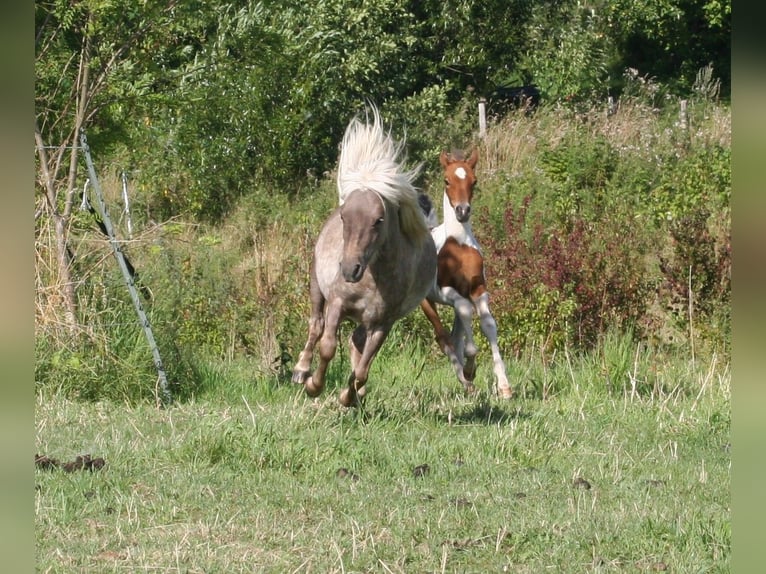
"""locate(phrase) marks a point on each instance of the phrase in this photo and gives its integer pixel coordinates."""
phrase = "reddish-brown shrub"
(564, 285)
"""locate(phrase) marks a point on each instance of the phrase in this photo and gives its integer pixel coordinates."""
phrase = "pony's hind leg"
(489, 328)
(302, 368)
(364, 346)
(356, 342)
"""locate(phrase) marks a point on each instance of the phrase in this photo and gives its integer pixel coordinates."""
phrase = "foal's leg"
(302, 368)
(368, 348)
(462, 333)
(444, 339)
(463, 336)
(489, 328)
(327, 347)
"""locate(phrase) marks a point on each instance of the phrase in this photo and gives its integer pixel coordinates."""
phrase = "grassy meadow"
(608, 474)
(607, 238)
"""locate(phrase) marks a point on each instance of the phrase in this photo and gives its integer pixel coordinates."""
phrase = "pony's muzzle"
(463, 212)
(353, 272)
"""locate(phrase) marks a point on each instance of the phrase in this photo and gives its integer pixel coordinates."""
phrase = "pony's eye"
(379, 222)
(446, 182)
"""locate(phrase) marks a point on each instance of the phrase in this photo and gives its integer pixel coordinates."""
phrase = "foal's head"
(364, 232)
(459, 179)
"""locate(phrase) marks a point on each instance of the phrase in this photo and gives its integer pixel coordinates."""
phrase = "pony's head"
(365, 230)
(459, 181)
(370, 159)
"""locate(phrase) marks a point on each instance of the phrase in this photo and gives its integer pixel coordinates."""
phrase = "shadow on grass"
(484, 412)
(479, 413)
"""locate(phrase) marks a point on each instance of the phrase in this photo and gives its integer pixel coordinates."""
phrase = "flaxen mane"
(369, 159)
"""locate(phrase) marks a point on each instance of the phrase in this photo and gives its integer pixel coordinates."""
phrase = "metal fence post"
(164, 396)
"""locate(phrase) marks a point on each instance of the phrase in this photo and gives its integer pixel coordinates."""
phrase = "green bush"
(699, 180)
(567, 52)
(591, 224)
(580, 169)
(607, 224)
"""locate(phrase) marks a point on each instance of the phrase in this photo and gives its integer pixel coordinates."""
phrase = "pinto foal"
(460, 280)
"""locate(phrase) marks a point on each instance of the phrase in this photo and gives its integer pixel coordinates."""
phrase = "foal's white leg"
(462, 331)
(489, 328)
(444, 339)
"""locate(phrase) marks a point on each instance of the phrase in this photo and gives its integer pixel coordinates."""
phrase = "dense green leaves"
(208, 101)
(670, 39)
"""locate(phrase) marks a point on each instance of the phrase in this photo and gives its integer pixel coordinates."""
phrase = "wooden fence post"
(482, 117)
(683, 116)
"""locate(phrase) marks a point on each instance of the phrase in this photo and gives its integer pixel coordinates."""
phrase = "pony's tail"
(427, 207)
(412, 219)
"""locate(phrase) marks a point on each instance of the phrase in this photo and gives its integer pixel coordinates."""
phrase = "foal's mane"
(456, 155)
(369, 159)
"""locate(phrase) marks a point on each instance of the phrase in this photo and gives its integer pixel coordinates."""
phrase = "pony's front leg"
(364, 346)
(327, 347)
(489, 328)
(302, 368)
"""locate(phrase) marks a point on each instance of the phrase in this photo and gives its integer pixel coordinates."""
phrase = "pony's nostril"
(353, 274)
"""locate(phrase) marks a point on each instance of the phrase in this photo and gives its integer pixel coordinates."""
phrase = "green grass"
(244, 478)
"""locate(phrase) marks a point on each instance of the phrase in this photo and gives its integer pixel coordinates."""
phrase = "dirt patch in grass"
(81, 462)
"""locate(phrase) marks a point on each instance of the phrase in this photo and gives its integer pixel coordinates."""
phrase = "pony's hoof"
(469, 371)
(470, 389)
(312, 389)
(505, 392)
(299, 377)
(350, 398)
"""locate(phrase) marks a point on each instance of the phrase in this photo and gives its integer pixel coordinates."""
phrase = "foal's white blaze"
(460, 172)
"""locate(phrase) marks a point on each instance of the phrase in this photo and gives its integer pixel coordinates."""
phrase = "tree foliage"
(209, 101)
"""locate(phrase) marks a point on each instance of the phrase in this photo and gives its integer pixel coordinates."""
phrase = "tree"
(669, 40)
(91, 56)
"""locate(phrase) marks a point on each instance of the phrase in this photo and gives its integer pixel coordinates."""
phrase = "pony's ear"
(473, 159)
(444, 158)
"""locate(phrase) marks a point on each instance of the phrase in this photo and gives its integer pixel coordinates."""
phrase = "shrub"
(696, 276)
(563, 284)
(580, 168)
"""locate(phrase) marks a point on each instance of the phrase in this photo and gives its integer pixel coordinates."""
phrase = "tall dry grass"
(634, 126)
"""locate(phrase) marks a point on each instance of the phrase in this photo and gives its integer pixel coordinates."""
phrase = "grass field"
(615, 461)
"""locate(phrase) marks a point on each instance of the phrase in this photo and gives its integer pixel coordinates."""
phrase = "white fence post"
(126, 203)
(482, 117)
